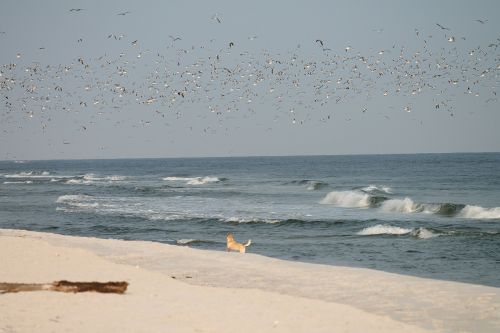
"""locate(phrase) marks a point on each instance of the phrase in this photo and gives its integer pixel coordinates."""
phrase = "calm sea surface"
(435, 215)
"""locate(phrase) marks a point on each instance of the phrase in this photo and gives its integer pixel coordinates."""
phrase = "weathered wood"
(116, 287)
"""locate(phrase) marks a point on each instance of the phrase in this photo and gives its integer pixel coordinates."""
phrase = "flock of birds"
(222, 79)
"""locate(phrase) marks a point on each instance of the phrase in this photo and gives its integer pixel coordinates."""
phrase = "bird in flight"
(124, 13)
(75, 9)
(217, 18)
(319, 41)
(444, 28)
(174, 38)
(482, 21)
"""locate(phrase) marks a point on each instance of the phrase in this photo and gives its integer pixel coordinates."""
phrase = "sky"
(133, 79)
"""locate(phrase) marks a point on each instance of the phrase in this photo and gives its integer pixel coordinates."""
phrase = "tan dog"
(234, 245)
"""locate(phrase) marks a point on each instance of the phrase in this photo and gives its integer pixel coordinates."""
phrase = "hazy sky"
(255, 80)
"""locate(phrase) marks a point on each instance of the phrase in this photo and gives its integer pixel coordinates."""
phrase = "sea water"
(429, 215)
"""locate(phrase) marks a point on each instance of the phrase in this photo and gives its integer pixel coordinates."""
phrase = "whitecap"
(174, 179)
(194, 180)
(423, 233)
(383, 229)
(93, 177)
(405, 205)
(204, 180)
(349, 199)
(79, 182)
(19, 182)
(376, 188)
(478, 212)
(73, 197)
(234, 219)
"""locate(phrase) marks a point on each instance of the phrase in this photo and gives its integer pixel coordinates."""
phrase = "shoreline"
(297, 295)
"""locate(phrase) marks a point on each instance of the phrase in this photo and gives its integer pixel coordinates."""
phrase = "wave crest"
(478, 212)
(347, 199)
(377, 189)
(195, 180)
(383, 229)
(405, 205)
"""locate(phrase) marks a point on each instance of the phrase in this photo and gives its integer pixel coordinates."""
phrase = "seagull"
(231, 44)
(124, 13)
(75, 9)
(174, 38)
(319, 41)
(482, 21)
(451, 39)
(217, 18)
(134, 43)
(444, 28)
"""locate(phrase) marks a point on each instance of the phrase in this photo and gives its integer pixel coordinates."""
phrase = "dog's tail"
(248, 243)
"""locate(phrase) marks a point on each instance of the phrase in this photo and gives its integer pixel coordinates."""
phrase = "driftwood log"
(66, 286)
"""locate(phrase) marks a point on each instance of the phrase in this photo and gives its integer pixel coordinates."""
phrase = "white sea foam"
(185, 241)
(204, 180)
(90, 178)
(78, 200)
(93, 177)
(405, 205)
(30, 174)
(194, 180)
(375, 188)
(234, 219)
(73, 197)
(346, 199)
(478, 212)
(174, 179)
(79, 182)
(423, 233)
(383, 229)
(19, 182)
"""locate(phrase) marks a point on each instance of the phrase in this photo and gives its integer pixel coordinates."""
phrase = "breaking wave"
(90, 178)
(377, 189)
(405, 205)
(19, 182)
(386, 229)
(348, 199)
(195, 180)
(30, 174)
(383, 229)
(361, 199)
(477, 212)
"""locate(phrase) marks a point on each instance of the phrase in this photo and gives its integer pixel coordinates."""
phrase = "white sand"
(222, 292)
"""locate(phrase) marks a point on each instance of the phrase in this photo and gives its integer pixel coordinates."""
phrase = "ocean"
(428, 215)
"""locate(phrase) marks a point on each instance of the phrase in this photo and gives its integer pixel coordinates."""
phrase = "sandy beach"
(179, 289)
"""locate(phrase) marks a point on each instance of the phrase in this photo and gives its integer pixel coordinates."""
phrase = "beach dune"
(179, 289)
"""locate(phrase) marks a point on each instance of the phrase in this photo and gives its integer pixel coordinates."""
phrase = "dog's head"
(229, 237)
